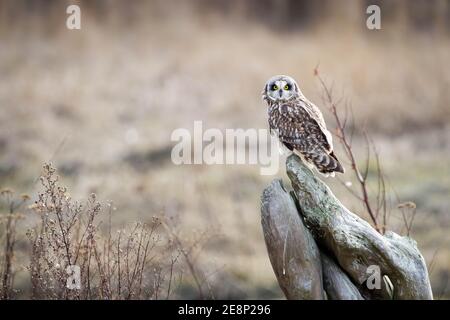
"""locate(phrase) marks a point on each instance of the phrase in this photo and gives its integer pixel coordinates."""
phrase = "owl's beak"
(280, 92)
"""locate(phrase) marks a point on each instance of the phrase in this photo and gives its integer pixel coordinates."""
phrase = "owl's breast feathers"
(301, 128)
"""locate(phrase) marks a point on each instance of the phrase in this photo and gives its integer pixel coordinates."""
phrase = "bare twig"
(130, 265)
(187, 258)
(346, 143)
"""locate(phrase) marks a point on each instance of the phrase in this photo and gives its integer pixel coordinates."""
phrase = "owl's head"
(280, 88)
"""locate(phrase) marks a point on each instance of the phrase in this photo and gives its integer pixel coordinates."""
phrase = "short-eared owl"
(299, 125)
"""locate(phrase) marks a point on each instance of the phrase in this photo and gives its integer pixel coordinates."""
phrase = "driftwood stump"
(321, 250)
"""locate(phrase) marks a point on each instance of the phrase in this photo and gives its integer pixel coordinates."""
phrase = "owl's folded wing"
(315, 113)
(303, 127)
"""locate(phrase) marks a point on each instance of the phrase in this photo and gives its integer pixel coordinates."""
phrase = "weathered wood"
(336, 283)
(354, 243)
(317, 245)
(292, 250)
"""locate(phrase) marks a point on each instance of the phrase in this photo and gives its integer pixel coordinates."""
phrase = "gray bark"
(293, 252)
(321, 225)
(336, 283)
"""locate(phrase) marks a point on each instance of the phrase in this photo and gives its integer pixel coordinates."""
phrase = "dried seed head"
(25, 197)
(6, 191)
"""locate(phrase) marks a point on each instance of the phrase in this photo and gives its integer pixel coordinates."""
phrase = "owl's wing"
(315, 113)
(302, 126)
(303, 131)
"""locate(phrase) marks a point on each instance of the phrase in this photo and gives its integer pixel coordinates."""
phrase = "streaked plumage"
(299, 125)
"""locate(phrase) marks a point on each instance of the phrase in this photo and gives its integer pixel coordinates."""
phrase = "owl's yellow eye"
(286, 87)
(275, 87)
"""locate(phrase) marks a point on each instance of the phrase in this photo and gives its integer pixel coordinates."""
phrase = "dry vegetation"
(144, 261)
(101, 103)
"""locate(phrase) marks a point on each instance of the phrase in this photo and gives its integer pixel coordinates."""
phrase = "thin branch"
(186, 256)
(347, 146)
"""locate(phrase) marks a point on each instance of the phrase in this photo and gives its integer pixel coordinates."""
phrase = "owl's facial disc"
(281, 88)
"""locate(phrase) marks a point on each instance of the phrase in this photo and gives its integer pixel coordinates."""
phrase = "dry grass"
(8, 225)
(126, 265)
(139, 262)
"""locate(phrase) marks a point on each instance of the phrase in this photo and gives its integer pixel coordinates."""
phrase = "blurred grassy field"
(102, 102)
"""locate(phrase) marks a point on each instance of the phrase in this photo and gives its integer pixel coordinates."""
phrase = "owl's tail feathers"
(328, 163)
(339, 167)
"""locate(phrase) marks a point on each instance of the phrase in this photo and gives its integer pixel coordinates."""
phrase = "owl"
(299, 125)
